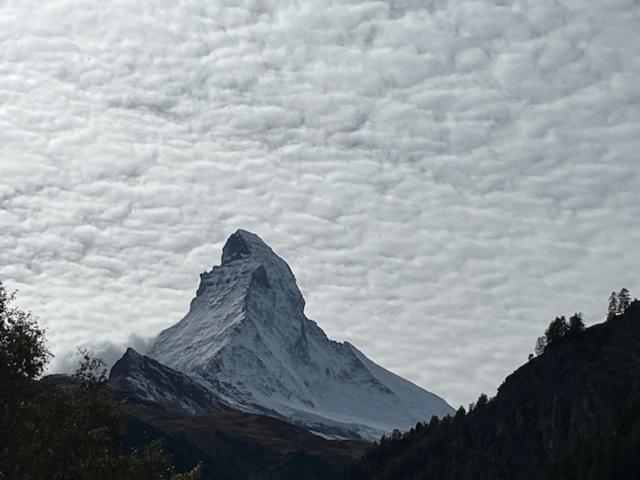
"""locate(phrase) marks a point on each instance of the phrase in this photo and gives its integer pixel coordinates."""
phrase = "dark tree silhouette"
(576, 324)
(541, 344)
(612, 310)
(557, 329)
(482, 400)
(624, 300)
(23, 353)
(49, 432)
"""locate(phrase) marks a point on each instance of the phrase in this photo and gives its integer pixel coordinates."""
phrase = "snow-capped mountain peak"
(246, 339)
(247, 247)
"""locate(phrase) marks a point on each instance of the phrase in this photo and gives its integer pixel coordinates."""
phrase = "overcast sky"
(443, 177)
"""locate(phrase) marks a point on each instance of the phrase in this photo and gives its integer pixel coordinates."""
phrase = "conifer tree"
(541, 344)
(612, 311)
(482, 400)
(558, 328)
(576, 324)
(624, 300)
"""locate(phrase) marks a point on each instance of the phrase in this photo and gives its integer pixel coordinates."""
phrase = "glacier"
(247, 340)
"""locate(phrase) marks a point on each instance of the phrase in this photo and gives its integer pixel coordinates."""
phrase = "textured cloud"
(444, 177)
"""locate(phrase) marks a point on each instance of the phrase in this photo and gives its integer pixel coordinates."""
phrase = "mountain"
(571, 413)
(246, 344)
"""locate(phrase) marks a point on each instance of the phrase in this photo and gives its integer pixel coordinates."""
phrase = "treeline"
(557, 329)
(619, 303)
(571, 413)
(455, 449)
(53, 432)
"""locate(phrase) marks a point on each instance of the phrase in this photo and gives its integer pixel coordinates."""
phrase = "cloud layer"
(444, 177)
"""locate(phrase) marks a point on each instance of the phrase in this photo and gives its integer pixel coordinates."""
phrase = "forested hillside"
(572, 412)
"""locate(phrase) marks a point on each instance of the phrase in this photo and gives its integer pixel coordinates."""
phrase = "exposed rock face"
(141, 380)
(247, 341)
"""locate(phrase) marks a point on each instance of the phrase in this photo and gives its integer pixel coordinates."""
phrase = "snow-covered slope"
(246, 338)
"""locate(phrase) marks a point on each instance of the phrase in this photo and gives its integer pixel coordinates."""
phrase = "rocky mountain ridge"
(246, 344)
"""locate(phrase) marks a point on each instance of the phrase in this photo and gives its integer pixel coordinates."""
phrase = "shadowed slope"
(572, 413)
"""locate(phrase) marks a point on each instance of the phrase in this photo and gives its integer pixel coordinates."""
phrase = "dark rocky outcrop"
(138, 379)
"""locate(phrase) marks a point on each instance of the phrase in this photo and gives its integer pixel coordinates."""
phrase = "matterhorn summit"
(247, 341)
